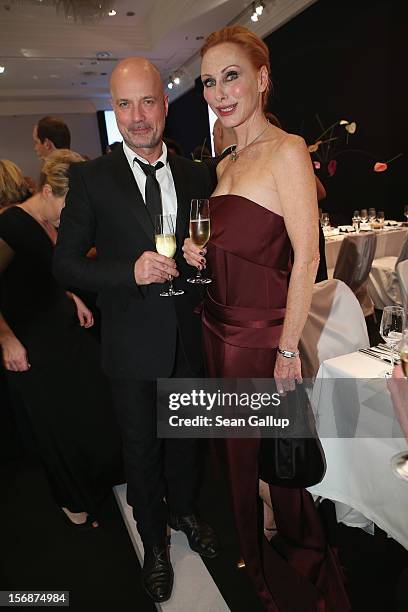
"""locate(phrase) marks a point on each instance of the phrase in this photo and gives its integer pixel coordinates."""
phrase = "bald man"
(111, 204)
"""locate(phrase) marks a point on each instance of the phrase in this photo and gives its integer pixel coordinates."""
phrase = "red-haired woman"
(263, 207)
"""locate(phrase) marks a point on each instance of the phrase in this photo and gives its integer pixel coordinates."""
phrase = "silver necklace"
(234, 153)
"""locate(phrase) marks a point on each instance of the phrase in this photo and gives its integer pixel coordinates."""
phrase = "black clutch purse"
(293, 462)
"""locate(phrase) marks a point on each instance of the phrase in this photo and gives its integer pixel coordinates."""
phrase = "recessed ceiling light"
(112, 13)
(103, 54)
(2, 69)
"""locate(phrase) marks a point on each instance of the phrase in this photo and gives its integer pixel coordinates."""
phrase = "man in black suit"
(111, 204)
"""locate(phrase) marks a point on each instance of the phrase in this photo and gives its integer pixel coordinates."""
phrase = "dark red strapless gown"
(249, 257)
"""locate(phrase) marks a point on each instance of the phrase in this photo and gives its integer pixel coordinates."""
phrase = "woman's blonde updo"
(55, 170)
(255, 48)
(13, 186)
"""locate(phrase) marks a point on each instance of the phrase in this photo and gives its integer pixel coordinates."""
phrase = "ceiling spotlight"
(176, 80)
(257, 10)
(112, 13)
(2, 69)
(170, 84)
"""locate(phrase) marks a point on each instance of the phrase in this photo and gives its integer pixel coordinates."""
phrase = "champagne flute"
(406, 211)
(364, 215)
(403, 350)
(391, 327)
(200, 232)
(399, 462)
(381, 217)
(165, 238)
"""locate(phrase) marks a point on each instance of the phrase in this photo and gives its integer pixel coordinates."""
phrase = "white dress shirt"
(163, 176)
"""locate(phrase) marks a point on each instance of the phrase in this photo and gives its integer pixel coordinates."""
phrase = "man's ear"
(50, 146)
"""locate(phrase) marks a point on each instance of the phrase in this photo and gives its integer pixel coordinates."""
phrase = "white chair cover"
(402, 275)
(335, 326)
(383, 283)
(353, 266)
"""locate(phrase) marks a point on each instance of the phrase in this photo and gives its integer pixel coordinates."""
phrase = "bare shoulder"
(291, 148)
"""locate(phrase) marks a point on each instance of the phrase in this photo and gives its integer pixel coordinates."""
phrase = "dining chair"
(353, 266)
(383, 284)
(335, 326)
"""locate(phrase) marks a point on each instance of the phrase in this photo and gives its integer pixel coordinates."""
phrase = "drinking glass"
(399, 462)
(403, 351)
(392, 325)
(200, 232)
(406, 211)
(325, 220)
(380, 217)
(372, 214)
(165, 238)
(356, 220)
(364, 215)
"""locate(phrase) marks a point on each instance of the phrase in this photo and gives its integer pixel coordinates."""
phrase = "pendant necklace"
(234, 153)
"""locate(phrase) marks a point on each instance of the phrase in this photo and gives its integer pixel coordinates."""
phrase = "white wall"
(16, 140)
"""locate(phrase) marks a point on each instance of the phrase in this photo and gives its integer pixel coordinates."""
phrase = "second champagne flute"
(391, 328)
(165, 238)
(200, 232)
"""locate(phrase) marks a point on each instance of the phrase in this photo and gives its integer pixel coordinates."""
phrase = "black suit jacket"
(104, 208)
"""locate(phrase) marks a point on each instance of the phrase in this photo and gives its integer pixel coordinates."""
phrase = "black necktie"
(152, 189)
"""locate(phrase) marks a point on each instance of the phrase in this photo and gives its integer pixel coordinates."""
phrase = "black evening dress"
(65, 394)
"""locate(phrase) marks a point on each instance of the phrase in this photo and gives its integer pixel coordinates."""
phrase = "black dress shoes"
(201, 536)
(157, 573)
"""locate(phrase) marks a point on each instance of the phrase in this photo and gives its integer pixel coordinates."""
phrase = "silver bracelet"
(288, 354)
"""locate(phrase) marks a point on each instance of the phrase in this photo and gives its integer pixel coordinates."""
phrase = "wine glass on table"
(200, 232)
(399, 462)
(364, 215)
(372, 215)
(381, 218)
(165, 238)
(406, 211)
(391, 327)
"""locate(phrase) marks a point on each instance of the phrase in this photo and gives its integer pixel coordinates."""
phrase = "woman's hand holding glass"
(193, 254)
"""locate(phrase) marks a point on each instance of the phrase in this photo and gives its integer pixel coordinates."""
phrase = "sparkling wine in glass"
(166, 245)
(392, 325)
(381, 217)
(399, 462)
(200, 232)
(403, 351)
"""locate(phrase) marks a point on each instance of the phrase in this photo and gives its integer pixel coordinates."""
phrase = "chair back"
(403, 255)
(355, 258)
(402, 275)
(335, 326)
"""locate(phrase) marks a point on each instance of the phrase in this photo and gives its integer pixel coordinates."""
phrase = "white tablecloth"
(359, 476)
(389, 242)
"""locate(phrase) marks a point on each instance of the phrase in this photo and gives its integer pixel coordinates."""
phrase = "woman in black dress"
(52, 364)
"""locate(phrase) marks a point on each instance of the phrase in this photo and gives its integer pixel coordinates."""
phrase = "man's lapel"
(129, 193)
(183, 200)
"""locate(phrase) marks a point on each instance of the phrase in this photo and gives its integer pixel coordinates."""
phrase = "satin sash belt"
(244, 327)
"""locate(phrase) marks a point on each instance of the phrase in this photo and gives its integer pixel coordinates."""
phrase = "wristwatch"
(288, 354)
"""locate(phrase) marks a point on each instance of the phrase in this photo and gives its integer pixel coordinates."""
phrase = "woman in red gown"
(263, 207)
